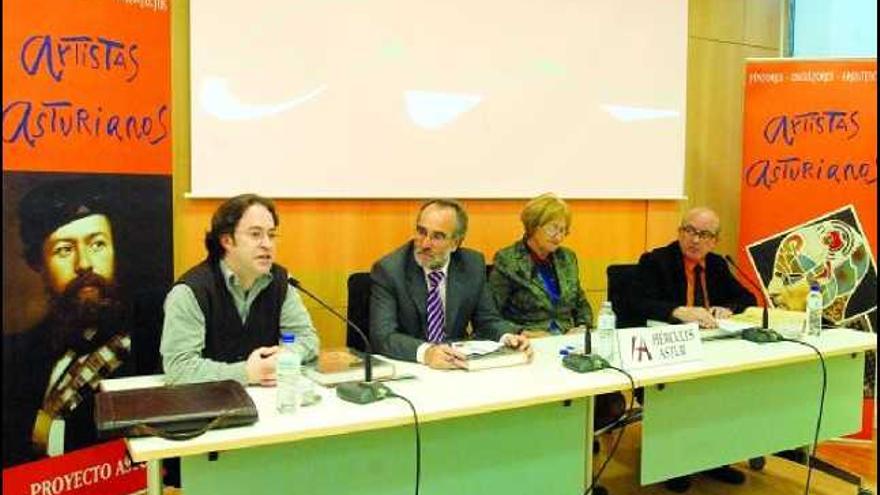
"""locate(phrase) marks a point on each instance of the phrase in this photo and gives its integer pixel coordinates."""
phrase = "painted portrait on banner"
(87, 227)
(87, 261)
(830, 250)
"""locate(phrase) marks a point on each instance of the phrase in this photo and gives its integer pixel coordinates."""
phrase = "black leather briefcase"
(175, 412)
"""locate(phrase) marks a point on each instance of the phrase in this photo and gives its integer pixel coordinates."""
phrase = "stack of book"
(335, 366)
(485, 354)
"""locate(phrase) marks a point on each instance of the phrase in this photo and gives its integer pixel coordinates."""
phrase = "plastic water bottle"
(288, 375)
(306, 391)
(606, 340)
(814, 310)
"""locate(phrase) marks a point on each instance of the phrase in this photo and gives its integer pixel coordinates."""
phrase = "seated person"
(426, 292)
(685, 282)
(223, 317)
(536, 283)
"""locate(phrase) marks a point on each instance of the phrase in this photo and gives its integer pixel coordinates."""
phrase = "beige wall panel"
(180, 124)
(331, 329)
(714, 122)
(714, 130)
(663, 220)
(717, 19)
(763, 19)
(595, 298)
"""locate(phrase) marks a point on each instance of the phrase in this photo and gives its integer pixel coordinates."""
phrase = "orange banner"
(808, 214)
(809, 144)
(809, 184)
(86, 86)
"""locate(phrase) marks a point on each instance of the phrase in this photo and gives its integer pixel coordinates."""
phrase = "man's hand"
(260, 366)
(444, 357)
(720, 312)
(700, 315)
(518, 342)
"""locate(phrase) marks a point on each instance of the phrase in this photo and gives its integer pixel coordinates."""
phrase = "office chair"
(620, 280)
(358, 309)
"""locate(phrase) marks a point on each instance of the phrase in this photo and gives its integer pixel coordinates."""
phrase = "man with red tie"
(425, 293)
(685, 282)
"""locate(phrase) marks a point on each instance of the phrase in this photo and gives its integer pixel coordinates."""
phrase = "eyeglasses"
(435, 236)
(703, 235)
(257, 235)
(553, 230)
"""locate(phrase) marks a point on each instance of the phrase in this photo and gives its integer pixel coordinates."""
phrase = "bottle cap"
(814, 285)
(288, 338)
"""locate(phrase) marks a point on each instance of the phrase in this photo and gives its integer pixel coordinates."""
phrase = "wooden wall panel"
(763, 26)
(716, 19)
(662, 220)
(323, 241)
(727, 32)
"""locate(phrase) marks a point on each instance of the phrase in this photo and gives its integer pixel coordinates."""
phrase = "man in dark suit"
(685, 282)
(426, 292)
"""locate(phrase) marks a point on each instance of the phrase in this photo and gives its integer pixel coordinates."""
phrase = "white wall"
(835, 28)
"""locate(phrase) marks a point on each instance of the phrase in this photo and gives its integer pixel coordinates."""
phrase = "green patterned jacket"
(521, 297)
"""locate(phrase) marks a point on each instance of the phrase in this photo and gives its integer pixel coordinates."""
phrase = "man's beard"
(433, 262)
(82, 321)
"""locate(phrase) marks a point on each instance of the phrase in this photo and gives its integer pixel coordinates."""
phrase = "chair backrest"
(620, 281)
(358, 309)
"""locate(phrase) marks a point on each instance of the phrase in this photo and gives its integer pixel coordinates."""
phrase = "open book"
(335, 366)
(485, 354)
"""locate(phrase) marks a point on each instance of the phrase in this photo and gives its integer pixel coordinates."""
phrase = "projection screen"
(428, 98)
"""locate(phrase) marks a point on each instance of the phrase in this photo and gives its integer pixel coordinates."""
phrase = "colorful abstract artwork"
(831, 251)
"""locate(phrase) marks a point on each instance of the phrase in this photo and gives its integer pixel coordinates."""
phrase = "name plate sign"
(658, 345)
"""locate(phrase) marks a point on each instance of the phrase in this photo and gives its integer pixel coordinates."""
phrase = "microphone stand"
(765, 316)
(587, 361)
(363, 392)
(766, 334)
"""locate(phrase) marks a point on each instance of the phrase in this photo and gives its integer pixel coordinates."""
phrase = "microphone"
(363, 392)
(764, 334)
(587, 361)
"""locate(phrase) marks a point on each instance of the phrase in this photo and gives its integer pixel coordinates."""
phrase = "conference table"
(524, 429)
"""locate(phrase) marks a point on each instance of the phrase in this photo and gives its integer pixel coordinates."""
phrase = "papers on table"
(484, 354)
(726, 328)
(476, 347)
(788, 323)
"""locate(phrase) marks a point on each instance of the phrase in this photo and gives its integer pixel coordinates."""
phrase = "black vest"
(226, 339)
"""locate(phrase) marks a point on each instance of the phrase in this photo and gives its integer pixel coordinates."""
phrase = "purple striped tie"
(436, 314)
